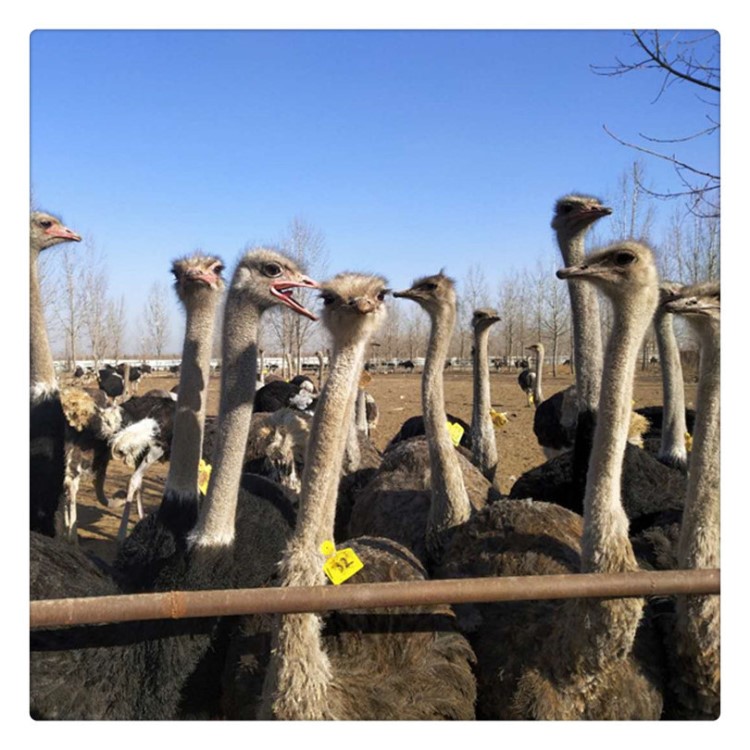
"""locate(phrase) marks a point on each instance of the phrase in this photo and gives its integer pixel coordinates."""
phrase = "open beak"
(284, 289)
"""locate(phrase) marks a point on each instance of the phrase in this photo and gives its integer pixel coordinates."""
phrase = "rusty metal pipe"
(178, 604)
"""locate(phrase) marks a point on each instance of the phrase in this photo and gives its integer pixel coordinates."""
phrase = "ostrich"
(172, 669)
(277, 394)
(484, 448)
(531, 381)
(47, 421)
(648, 485)
(574, 216)
(400, 663)
(112, 383)
(693, 643)
(424, 486)
(565, 659)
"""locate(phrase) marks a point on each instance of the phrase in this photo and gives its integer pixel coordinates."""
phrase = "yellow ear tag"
(204, 474)
(340, 565)
(456, 432)
(499, 418)
(688, 442)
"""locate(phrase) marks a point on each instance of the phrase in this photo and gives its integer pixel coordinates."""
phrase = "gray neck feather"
(450, 504)
(297, 679)
(587, 333)
(606, 546)
(699, 535)
(190, 415)
(42, 370)
(238, 373)
(673, 427)
(484, 447)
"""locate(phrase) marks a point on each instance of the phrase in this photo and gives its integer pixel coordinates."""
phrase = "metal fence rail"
(179, 604)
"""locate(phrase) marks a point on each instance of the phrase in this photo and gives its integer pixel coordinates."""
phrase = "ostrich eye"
(381, 295)
(46, 223)
(624, 259)
(218, 269)
(272, 269)
(429, 286)
(328, 299)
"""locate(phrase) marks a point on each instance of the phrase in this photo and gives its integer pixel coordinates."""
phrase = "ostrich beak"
(58, 230)
(283, 290)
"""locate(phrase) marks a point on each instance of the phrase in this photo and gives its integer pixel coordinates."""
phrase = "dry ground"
(398, 397)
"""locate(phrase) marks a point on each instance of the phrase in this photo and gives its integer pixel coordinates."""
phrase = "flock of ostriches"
(284, 482)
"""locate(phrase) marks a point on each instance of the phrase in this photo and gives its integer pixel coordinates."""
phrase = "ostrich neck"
(299, 673)
(450, 503)
(606, 546)
(484, 448)
(699, 534)
(215, 526)
(324, 459)
(42, 369)
(187, 441)
(593, 633)
(538, 397)
(674, 426)
(587, 333)
(698, 632)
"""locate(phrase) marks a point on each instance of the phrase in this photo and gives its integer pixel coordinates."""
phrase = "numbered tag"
(204, 474)
(456, 432)
(340, 565)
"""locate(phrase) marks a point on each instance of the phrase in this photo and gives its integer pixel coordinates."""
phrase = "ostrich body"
(424, 486)
(386, 664)
(585, 659)
(47, 421)
(484, 447)
(172, 669)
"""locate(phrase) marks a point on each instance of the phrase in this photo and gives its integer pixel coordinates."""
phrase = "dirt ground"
(398, 396)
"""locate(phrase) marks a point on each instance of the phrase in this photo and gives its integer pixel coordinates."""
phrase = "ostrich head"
(48, 230)
(576, 212)
(484, 318)
(696, 302)
(624, 272)
(536, 348)
(353, 304)
(431, 292)
(269, 278)
(197, 274)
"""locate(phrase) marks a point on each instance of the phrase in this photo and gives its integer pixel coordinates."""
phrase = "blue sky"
(408, 150)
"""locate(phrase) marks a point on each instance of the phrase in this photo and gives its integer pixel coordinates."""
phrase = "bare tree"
(94, 284)
(305, 244)
(474, 294)
(114, 325)
(156, 319)
(633, 214)
(683, 58)
(556, 314)
(67, 304)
